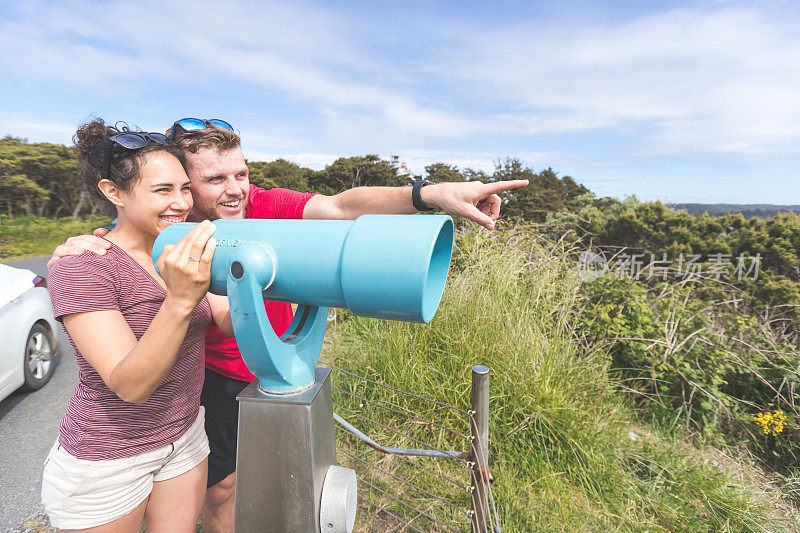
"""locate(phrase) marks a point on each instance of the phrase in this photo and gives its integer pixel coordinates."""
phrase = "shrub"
(566, 450)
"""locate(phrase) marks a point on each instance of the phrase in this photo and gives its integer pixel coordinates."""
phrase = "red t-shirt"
(98, 424)
(222, 352)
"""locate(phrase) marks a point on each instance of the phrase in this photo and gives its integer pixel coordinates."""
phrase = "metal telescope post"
(285, 460)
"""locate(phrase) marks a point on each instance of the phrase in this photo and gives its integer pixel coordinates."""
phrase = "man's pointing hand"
(474, 200)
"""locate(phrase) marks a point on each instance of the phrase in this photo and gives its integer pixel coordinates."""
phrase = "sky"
(676, 101)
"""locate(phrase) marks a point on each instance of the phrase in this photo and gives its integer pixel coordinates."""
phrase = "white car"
(27, 329)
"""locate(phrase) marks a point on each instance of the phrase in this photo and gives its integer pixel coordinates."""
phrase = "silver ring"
(193, 259)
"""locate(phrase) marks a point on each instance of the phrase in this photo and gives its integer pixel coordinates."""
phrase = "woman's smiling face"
(160, 196)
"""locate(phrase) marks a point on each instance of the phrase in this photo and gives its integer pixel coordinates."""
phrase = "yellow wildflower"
(771, 422)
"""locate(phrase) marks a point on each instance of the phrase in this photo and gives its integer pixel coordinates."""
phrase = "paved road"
(28, 427)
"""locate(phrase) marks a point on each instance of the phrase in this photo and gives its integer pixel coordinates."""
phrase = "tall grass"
(566, 450)
(34, 236)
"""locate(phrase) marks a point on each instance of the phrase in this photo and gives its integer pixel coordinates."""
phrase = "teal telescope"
(381, 266)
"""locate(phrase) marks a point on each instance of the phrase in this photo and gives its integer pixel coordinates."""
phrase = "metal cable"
(393, 389)
(452, 431)
(490, 506)
(485, 475)
(491, 499)
(446, 478)
(494, 518)
(398, 478)
(431, 446)
(350, 428)
(479, 472)
(401, 502)
(387, 511)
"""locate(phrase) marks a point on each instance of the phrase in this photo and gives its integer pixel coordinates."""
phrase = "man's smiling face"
(220, 183)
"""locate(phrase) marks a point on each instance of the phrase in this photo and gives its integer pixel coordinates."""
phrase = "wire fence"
(422, 464)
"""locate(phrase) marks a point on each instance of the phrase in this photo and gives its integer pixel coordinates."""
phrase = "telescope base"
(286, 444)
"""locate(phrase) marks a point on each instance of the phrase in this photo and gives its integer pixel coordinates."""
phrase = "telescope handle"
(283, 365)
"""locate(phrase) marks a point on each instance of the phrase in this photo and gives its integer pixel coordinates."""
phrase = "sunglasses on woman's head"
(130, 141)
(194, 124)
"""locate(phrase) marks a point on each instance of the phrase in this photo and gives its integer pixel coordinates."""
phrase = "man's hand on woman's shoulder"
(79, 244)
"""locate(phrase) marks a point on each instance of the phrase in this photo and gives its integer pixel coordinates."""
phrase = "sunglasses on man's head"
(129, 141)
(194, 124)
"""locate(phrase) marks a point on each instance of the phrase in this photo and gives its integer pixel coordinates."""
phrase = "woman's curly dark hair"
(91, 141)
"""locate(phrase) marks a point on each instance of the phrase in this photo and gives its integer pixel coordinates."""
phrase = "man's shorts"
(222, 423)
(79, 494)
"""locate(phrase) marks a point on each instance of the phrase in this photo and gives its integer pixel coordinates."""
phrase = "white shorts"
(78, 494)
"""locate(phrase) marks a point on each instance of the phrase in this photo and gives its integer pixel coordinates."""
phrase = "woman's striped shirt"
(98, 424)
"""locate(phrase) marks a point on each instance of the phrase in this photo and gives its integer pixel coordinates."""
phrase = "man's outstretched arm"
(474, 200)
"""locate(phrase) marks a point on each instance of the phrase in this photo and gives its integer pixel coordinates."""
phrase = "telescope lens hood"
(396, 266)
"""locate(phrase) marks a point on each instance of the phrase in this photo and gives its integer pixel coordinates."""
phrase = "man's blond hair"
(220, 139)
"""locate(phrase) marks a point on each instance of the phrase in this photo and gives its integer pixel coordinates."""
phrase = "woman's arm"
(134, 369)
(221, 311)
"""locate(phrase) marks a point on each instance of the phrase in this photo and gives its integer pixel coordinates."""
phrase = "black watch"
(416, 199)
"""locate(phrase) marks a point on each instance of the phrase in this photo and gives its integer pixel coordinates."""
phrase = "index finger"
(193, 247)
(202, 241)
(192, 234)
(500, 186)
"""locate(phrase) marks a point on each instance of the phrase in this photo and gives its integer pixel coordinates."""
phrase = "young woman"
(132, 444)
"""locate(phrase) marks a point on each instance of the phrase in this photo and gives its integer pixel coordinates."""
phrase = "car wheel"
(39, 352)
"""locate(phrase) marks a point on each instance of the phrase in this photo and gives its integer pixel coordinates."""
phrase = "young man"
(221, 189)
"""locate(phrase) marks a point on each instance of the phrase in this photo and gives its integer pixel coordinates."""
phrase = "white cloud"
(302, 51)
(313, 161)
(37, 130)
(722, 80)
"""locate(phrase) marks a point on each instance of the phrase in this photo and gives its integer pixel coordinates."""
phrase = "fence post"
(479, 425)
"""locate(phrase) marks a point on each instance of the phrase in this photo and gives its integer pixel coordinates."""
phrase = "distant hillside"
(748, 210)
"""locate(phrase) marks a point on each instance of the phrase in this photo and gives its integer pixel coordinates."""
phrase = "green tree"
(546, 192)
(281, 173)
(442, 172)
(18, 189)
(51, 167)
(349, 172)
(55, 169)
